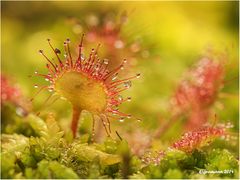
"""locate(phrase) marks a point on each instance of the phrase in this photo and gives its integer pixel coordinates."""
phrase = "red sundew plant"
(191, 141)
(8, 91)
(12, 93)
(199, 91)
(109, 34)
(154, 157)
(202, 87)
(200, 138)
(195, 94)
(87, 84)
(107, 29)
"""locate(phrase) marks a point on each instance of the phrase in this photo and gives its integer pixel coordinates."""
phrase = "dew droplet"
(127, 84)
(57, 51)
(36, 72)
(105, 61)
(50, 90)
(35, 86)
(139, 120)
(63, 98)
(125, 61)
(114, 77)
(115, 107)
(96, 67)
(121, 119)
(129, 116)
(120, 98)
(138, 75)
(121, 67)
(68, 40)
(129, 99)
(40, 51)
(46, 79)
(82, 57)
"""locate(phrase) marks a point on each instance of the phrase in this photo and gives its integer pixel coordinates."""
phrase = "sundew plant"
(119, 90)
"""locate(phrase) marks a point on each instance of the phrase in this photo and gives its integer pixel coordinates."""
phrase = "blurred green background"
(175, 35)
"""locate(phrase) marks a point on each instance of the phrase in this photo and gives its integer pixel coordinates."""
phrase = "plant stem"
(75, 119)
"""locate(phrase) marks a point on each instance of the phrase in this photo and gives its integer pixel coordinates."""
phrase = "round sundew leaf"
(82, 92)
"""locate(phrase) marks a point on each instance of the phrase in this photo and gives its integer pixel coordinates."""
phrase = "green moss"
(222, 160)
(173, 174)
(49, 155)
